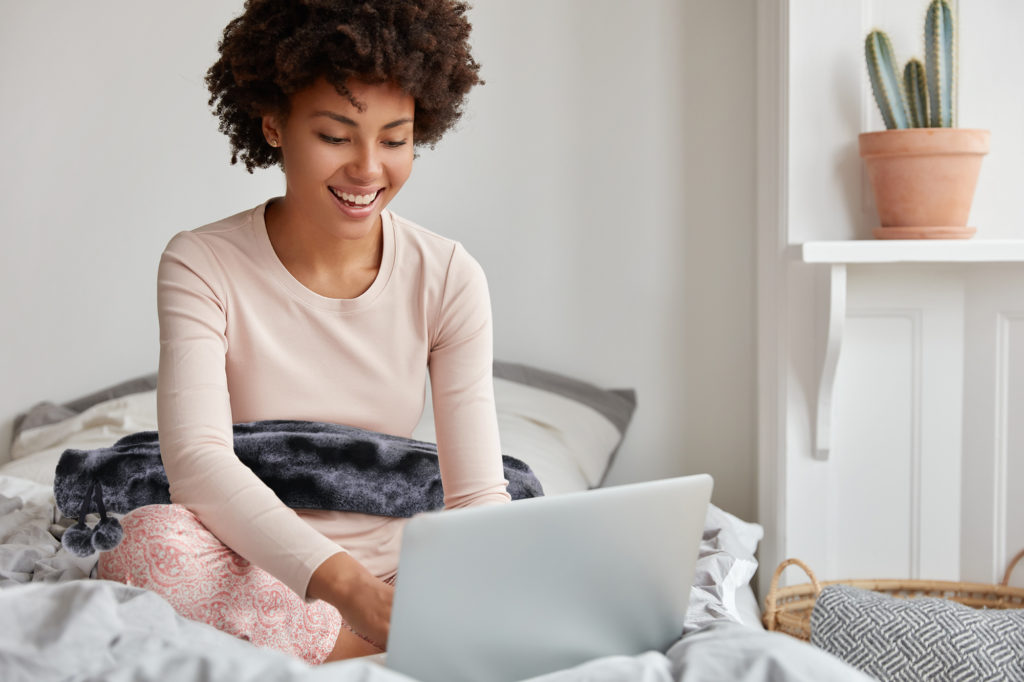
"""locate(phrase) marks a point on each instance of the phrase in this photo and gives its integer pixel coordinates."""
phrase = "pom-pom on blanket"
(309, 465)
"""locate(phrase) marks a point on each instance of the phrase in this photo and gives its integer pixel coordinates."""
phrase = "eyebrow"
(349, 122)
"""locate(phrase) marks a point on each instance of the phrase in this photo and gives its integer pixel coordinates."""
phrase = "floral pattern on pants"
(167, 550)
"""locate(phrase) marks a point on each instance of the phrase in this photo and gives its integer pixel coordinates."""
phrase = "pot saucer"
(955, 232)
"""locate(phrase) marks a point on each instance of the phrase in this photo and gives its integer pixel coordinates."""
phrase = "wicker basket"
(788, 609)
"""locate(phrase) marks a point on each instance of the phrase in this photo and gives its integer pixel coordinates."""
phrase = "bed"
(58, 622)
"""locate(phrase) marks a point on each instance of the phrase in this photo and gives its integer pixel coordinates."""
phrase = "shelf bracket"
(833, 345)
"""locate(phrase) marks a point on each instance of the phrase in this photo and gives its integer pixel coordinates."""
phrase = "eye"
(332, 140)
(394, 144)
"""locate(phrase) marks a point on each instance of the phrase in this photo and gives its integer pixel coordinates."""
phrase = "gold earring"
(273, 143)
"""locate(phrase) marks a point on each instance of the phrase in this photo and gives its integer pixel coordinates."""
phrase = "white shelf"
(914, 251)
(839, 254)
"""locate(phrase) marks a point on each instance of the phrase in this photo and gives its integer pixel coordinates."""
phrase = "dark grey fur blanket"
(309, 465)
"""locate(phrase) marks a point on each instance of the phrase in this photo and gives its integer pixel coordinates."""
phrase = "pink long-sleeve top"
(242, 340)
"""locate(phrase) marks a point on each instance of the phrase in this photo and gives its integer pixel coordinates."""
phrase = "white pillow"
(557, 427)
(36, 451)
(564, 429)
(573, 409)
(545, 443)
(541, 446)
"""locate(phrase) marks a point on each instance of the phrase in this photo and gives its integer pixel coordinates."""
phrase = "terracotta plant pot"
(924, 180)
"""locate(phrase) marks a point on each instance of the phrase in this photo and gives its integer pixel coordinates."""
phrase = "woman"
(320, 305)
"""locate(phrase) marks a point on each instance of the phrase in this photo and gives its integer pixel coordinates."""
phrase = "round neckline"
(309, 297)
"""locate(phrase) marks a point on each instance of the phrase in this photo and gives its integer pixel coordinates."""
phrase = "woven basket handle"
(769, 601)
(1012, 565)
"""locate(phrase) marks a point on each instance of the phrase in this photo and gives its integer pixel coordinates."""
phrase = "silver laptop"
(507, 592)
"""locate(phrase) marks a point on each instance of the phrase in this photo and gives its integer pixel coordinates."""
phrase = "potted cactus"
(923, 169)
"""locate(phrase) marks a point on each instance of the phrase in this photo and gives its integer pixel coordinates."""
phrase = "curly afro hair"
(279, 47)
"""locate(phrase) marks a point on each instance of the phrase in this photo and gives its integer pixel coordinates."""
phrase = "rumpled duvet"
(57, 625)
(30, 531)
(100, 630)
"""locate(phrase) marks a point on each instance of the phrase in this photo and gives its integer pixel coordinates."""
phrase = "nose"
(365, 165)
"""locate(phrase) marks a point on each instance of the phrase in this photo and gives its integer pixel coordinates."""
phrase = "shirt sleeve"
(195, 425)
(462, 389)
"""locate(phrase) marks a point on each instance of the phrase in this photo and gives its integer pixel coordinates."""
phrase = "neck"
(304, 247)
(325, 262)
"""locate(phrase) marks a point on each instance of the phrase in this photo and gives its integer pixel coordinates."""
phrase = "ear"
(272, 130)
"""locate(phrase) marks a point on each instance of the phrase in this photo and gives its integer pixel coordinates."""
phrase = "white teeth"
(360, 199)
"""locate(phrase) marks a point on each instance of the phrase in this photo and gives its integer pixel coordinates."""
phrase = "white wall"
(603, 177)
(110, 151)
(719, 263)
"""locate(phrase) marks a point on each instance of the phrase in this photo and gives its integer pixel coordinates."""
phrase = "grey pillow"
(46, 412)
(923, 638)
(617, 405)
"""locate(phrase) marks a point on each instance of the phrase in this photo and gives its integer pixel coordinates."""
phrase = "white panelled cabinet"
(891, 374)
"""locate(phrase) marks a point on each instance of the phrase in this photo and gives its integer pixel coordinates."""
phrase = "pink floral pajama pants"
(167, 550)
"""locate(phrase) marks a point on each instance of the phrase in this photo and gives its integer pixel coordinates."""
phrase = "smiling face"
(342, 166)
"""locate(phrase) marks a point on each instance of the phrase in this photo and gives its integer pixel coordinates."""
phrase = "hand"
(368, 610)
(363, 600)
